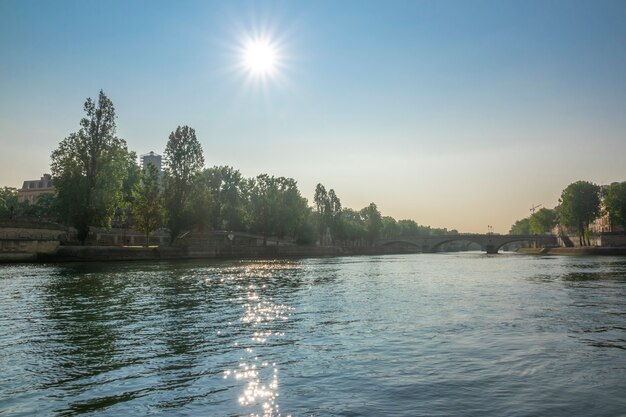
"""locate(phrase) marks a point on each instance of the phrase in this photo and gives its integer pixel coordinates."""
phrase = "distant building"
(603, 224)
(151, 158)
(31, 189)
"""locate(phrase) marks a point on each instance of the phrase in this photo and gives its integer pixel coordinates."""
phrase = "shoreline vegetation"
(97, 183)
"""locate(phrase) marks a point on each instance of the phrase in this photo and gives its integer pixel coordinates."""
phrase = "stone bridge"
(491, 243)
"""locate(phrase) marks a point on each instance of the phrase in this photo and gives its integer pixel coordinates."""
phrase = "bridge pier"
(491, 249)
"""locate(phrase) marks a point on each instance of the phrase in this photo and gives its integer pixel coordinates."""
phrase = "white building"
(151, 158)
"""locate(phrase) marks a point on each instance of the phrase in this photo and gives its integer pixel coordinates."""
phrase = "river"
(395, 335)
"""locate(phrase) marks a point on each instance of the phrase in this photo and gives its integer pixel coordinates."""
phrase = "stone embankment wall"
(607, 239)
(19, 243)
(116, 253)
(576, 251)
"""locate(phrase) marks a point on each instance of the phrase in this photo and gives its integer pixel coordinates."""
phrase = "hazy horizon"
(454, 114)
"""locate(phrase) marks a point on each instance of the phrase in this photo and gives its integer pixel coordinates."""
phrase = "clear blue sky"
(458, 114)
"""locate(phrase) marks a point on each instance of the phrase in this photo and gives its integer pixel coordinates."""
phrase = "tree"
(124, 211)
(276, 207)
(521, 227)
(229, 190)
(328, 212)
(200, 206)
(148, 210)
(373, 221)
(353, 229)
(334, 215)
(89, 169)
(8, 202)
(262, 204)
(615, 203)
(542, 221)
(390, 227)
(183, 162)
(408, 228)
(580, 205)
(322, 208)
(45, 207)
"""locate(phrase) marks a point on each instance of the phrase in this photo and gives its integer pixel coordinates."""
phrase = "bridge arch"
(499, 245)
(437, 245)
(400, 241)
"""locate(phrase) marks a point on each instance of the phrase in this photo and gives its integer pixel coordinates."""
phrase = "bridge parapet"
(491, 243)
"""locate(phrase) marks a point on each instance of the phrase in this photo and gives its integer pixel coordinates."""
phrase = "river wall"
(116, 253)
(575, 251)
(24, 242)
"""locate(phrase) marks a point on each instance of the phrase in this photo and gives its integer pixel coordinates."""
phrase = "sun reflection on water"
(260, 315)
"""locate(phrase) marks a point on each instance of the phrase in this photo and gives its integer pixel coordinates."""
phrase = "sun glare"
(260, 57)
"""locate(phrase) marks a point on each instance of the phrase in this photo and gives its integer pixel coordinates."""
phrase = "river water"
(397, 335)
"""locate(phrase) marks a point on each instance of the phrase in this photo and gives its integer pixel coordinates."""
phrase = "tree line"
(97, 182)
(580, 204)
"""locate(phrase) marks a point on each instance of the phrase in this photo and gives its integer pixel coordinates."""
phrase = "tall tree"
(183, 162)
(200, 205)
(148, 210)
(89, 169)
(542, 221)
(389, 227)
(328, 213)
(277, 208)
(373, 221)
(353, 229)
(229, 191)
(521, 227)
(408, 227)
(322, 208)
(615, 203)
(8, 202)
(263, 201)
(335, 218)
(580, 205)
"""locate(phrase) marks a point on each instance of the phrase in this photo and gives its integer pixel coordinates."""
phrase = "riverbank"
(120, 253)
(578, 251)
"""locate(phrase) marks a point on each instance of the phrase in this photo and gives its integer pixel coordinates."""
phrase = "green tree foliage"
(408, 228)
(147, 205)
(183, 163)
(580, 205)
(334, 214)
(8, 202)
(390, 227)
(45, 207)
(615, 203)
(521, 227)
(328, 213)
(89, 169)
(353, 230)
(542, 221)
(124, 212)
(276, 207)
(373, 222)
(230, 193)
(200, 206)
(322, 209)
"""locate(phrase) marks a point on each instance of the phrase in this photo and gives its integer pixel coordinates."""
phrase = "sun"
(260, 57)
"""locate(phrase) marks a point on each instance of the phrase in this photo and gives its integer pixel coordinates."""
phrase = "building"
(31, 189)
(604, 224)
(151, 158)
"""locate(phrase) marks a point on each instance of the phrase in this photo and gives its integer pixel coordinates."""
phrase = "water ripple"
(452, 334)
